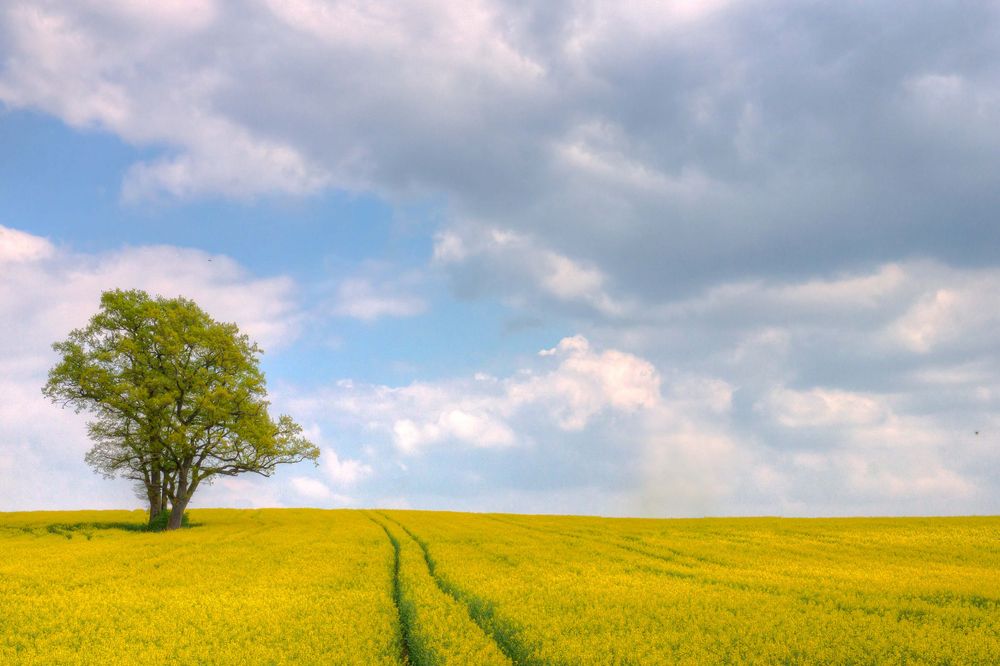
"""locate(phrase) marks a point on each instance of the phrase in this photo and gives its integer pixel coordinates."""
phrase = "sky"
(649, 258)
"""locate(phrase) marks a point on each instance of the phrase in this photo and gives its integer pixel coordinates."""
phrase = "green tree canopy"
(177, 398)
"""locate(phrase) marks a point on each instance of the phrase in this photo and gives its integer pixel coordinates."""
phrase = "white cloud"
(255, 492)
(953, 107)
(108, 65)
(929, 321)
(858, 291)
(228, 160)
(449, 248)
(950, 313)
(54, 292)
(587, 382)
(857, 392)
(572, 403)
(19, 246)
(823, 408)
(916, 308)
(689, 466)
(311, 488)
(343, 472)
(361, 298)
(480, 429)
(567, 280)
(848, 297)
(875, 450)
(481, 412)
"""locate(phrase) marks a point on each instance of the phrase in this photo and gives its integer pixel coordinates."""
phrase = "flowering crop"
(271, 587)
(573, 590)
(409, 587)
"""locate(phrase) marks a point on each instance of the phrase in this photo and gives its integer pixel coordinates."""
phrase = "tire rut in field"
(404, 627)
(480, 611)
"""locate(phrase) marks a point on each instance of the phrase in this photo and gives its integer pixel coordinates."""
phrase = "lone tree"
(177, 399)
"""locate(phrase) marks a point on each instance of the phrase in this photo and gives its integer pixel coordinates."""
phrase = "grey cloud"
(670, 151)
(810, 131)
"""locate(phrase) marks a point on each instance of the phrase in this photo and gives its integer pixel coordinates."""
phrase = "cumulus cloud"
(343, 472)
(587, 382)
(791, 397)
(451, 424)
(481, 412)
(576, 427)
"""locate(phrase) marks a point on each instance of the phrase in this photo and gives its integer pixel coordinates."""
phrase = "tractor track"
(404, 626)
(480, 611)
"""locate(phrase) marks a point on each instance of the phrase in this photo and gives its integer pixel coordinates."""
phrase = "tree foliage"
(177, 398)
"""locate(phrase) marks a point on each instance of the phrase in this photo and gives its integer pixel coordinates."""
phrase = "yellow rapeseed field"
(390, 587)
(292, 586)
(568, 590)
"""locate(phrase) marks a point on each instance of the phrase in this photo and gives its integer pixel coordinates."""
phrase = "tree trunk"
(180, 496)
(155, 505)
(163, 497)
(177, 512)
(154, 492)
